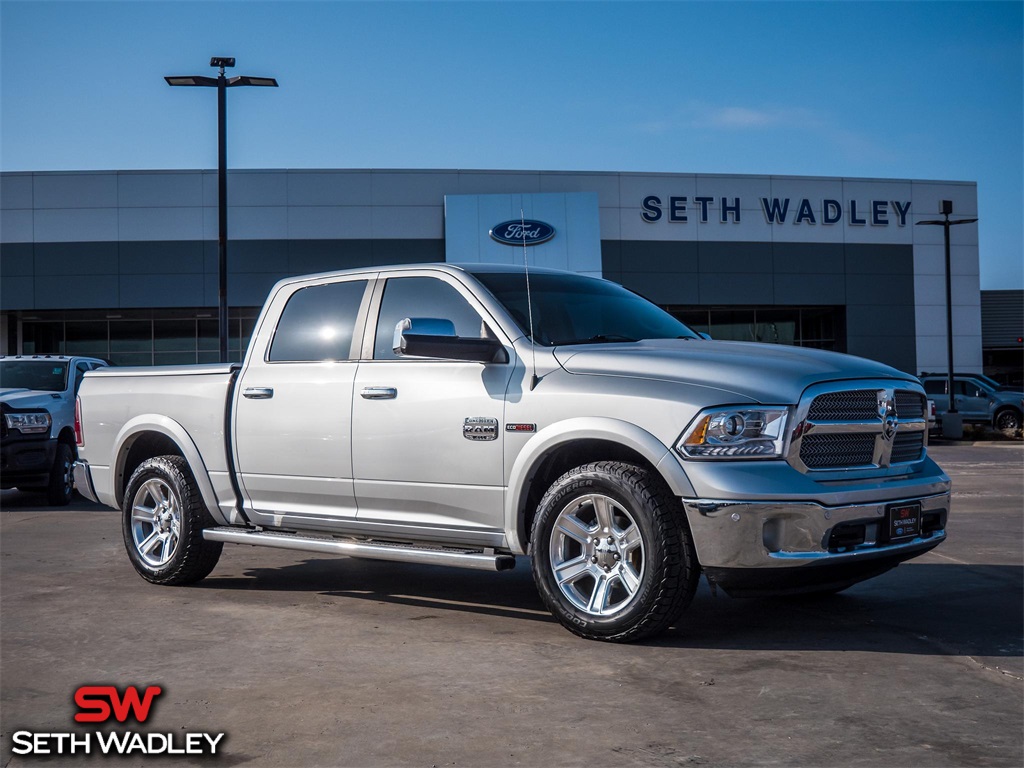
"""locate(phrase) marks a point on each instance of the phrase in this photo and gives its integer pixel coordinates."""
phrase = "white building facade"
(123, 264)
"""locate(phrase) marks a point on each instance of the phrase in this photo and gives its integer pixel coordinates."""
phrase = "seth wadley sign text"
(776, 210)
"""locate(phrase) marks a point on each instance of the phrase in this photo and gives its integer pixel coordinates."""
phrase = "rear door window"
(317, 323)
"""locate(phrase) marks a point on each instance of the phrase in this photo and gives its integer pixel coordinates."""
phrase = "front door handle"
(379, 393)
(258, 393)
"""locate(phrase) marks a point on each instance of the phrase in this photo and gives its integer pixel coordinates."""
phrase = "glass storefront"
(818, 327)
(177, 337)
(146, 337)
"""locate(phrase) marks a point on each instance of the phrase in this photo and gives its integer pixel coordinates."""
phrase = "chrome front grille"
(828, 451)
(907, 447)
(869, 425)
(851, 405)
(909, 405)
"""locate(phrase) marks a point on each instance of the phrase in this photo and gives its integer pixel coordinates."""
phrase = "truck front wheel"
(1007, 420)
(613, 558)
(162, 521)
(61, 487)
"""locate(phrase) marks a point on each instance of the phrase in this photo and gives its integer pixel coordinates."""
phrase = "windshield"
(573, 309)
(990, 383)
(44, 375)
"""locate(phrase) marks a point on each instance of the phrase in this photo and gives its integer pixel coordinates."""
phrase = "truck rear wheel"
(162, 521)
(613, 558)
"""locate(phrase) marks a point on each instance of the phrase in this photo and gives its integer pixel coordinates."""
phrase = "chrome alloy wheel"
(156, 522)
(597, 555)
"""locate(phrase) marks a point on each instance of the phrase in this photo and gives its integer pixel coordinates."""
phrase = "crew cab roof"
(450, 268)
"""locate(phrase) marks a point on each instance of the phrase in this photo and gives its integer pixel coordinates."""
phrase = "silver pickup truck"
(466, 415)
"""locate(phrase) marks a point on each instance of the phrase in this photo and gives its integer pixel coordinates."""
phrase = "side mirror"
(435, 337)
(705, 336)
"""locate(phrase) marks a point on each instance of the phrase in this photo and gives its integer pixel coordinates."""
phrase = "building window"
(133, 337)
(40, 338)
(818, 327)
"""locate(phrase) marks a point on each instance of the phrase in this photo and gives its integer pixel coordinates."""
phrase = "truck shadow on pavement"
(510, 594)
(919, 608)
(35, 501)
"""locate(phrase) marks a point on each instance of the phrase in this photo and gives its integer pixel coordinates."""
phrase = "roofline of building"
(483, 171)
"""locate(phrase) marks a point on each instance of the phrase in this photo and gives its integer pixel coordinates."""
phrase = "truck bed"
(187, 403)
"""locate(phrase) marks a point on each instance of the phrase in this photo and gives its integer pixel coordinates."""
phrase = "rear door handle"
(258, 393)
(379, 393)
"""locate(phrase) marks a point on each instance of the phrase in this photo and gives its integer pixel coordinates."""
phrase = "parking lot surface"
(313, 660)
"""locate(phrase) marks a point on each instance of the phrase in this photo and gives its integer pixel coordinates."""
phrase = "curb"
(976, 443)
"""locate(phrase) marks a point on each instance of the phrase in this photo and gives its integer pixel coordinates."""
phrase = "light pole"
(945, 223)
(222, 83)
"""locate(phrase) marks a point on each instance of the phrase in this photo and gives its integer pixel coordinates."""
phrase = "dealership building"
(123, 264)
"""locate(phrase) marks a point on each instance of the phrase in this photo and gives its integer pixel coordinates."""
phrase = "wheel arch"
(560, 447)
(67, 435)
(154, 435)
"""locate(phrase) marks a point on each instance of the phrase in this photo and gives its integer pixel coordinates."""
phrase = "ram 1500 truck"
(37, 425)
(468, 415)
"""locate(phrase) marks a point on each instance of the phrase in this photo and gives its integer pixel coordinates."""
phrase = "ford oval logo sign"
(519, 231)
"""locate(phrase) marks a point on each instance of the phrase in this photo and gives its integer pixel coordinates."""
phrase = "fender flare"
(153, 422)
(585, 428)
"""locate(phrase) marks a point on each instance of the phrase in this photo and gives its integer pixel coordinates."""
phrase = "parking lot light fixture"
(222, 83)
(945, 223)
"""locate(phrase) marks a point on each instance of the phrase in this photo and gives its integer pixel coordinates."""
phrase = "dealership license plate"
(904, 520)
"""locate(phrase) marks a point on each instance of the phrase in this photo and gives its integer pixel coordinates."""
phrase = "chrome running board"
(461, 558)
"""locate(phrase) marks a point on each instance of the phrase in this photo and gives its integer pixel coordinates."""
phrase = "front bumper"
(26, 460)
(755, 548)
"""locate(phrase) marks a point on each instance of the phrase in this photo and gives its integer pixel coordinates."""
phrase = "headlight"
(735, 433)
(28, 423)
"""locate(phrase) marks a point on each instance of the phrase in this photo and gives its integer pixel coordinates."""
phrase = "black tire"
(62, 485)
(636, 590)
(1007, 420)
(162, 520)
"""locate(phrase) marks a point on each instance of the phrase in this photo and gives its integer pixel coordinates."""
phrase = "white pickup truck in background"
(457, 416)
(37, 424)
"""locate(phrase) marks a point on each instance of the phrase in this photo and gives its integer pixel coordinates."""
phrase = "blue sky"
(892, 90)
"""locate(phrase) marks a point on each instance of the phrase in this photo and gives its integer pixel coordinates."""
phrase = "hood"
(1008, 395)
(768, 373)
(29, 398)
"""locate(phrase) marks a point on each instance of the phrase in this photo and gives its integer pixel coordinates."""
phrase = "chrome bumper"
(760, 535)
(83, 481)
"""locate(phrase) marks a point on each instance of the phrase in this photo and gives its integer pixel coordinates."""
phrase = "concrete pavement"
(312, 660)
